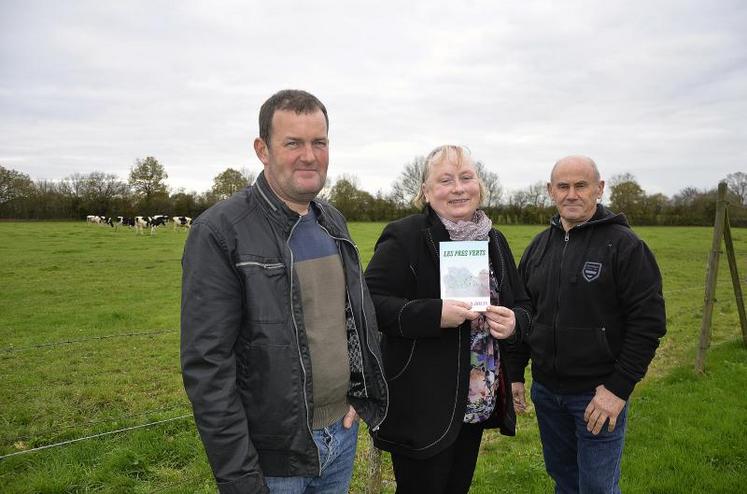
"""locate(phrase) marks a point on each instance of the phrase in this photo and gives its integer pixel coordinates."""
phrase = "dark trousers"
(577, 460)
(448, 472)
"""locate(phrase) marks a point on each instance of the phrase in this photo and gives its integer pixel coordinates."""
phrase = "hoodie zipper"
(557, 303)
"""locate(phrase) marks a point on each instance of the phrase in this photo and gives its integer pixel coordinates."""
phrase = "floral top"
(485, 358)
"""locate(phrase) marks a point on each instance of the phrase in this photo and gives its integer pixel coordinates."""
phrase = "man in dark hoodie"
(597, 320)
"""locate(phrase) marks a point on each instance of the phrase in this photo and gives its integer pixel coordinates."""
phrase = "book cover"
(465, 272)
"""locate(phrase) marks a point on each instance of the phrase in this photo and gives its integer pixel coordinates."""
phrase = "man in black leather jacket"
(279, 346)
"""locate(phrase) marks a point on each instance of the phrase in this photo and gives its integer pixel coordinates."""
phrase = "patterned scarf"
(475, 229)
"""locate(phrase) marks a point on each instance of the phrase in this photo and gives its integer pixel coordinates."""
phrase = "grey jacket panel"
(244, 354)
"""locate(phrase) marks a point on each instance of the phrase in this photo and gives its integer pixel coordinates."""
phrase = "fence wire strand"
(94, 436)
(70, 425)
(53, 344)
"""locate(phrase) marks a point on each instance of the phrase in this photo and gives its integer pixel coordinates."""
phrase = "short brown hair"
(294, 100)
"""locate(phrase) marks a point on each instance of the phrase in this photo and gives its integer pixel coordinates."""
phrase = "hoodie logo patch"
(591, 270)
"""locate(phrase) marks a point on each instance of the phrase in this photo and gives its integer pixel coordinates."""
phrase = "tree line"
(145, 192)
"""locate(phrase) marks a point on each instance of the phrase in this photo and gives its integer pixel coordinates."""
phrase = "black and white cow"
(182, 221)
(126, 221)
(142, 222)
(156, 221)
(95, 219)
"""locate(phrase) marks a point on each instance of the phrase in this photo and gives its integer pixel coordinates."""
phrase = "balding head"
(575, 187)
(577, 160)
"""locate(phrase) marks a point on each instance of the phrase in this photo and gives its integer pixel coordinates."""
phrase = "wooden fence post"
(711, 276)
(373, 463)
(731, 256)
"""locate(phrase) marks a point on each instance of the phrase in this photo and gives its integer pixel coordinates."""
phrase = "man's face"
(297, 156)
(575, 191)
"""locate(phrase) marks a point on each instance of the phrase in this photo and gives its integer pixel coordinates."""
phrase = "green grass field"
(89, 343)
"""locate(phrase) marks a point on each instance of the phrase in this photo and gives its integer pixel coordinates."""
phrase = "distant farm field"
(89, 342)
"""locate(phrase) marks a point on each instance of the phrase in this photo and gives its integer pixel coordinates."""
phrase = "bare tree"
(536, 195)
(493, 187)
(737, 183)
(519, 199)
(407, 185)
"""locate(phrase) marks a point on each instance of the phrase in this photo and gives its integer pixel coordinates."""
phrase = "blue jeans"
(336, 446)
(577, 460)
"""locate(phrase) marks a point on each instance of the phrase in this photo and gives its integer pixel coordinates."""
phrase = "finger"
(612, 424)
(459, 303)
(471, 315)
(593, 418)
(599, 425)
(597, 422)
(587, 413)
(347, 421)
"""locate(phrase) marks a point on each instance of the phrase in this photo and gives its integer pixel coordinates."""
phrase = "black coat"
(427, 368)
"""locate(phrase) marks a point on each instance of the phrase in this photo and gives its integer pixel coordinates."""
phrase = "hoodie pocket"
(542, 342)
(583, 352)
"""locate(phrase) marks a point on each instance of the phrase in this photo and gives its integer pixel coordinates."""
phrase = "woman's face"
(453, 191)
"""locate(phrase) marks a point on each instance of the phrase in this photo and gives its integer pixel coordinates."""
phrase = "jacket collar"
(602, 215)
(280, 212)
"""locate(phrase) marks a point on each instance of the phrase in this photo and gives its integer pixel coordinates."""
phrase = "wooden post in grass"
(720, 228)
(373, 485)
(735, 276)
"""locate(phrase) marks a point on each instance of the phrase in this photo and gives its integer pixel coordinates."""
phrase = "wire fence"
(52, 344)
(67, 426)
(136, 334)
(93, 436)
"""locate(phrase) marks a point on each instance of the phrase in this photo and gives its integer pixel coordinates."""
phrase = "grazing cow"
(108, 221)
(126, 221)
(95, 219)
(141, 222)
(182, 221)
(156, 221)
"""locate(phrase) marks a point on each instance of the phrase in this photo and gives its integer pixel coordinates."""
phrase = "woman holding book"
(443, 360)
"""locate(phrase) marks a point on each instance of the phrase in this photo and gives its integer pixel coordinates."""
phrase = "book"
(465, 272)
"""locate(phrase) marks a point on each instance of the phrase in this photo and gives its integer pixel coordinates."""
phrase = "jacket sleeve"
(518, 354)
(520, 303)
(211, 314)
(640, 293)
(391, 280)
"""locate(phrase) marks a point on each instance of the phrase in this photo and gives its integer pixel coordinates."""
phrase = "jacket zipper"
(275, 265)
(298, 346)
(557, 304)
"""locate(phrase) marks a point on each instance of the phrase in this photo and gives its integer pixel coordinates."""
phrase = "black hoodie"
(598, 307)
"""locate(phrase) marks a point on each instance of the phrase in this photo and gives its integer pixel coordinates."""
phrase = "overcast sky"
(654, 88)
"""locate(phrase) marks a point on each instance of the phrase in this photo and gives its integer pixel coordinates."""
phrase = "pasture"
(89, 344)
